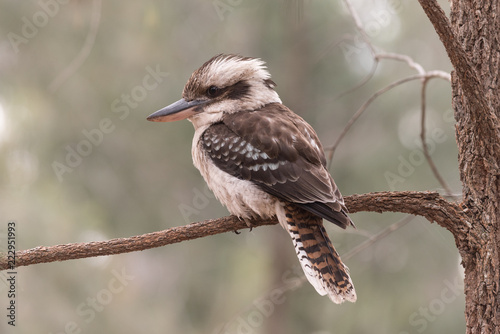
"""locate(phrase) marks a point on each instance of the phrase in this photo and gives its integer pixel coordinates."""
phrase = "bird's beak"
(176, 111)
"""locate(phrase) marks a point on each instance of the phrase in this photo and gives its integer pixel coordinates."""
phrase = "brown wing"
(277, 150)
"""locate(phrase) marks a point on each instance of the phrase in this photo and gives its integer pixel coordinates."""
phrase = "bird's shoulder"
(279, 132)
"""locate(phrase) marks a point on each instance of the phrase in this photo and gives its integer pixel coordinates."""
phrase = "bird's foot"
(248, 221)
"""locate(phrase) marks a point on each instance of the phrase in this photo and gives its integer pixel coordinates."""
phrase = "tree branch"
(361, 110)
(84, 53)
(425, 147)
(427, 204)
(359, 25)
(172, 235)
(468, 77)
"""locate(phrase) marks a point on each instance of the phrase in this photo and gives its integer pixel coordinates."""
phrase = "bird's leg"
(247, 221)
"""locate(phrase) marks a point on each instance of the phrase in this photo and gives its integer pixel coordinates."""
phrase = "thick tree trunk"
(476, 26)
(472, 42)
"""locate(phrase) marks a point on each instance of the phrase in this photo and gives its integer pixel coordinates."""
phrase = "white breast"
(241, 197)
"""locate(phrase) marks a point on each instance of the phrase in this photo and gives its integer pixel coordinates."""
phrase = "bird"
(262, 160)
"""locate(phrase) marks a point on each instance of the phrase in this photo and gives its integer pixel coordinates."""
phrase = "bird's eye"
(212, 91)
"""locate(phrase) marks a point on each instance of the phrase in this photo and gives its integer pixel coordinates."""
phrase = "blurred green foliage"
(76, 76)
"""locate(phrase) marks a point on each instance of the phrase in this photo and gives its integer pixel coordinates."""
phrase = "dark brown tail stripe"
(319, 259)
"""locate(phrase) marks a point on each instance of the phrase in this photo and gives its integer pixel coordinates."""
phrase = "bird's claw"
(248, 222)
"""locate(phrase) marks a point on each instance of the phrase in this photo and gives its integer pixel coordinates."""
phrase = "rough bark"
(476, 26)
(472, 42)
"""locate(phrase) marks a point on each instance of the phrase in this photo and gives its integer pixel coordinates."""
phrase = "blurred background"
(79, 162)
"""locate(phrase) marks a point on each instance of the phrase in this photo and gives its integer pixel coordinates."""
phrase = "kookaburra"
(261, 160)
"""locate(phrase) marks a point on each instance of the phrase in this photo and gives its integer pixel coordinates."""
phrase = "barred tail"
(319, 260)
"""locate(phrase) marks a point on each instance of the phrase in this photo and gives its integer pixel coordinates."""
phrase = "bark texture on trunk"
(476, 26)
(472, 41)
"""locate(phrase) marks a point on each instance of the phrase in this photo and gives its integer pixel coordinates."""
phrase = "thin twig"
(422, 74)
(425, 147)
(360, 111)
(359, 84)
(439, 74)
(379, 236)
(78, 61)
(357, 114)
(332, 46)
(404, 58)
(359, 25)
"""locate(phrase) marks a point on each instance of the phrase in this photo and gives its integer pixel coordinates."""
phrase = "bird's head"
(223, 85)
